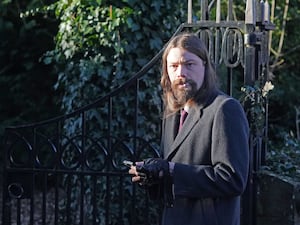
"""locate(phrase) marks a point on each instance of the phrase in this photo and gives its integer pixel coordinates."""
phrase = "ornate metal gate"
(57, 176)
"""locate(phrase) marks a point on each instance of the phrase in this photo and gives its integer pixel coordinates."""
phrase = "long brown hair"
(193, 44)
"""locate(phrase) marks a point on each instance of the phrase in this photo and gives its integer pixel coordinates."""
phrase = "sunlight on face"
(184, 64)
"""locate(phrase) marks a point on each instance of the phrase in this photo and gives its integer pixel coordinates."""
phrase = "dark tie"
(182, 118)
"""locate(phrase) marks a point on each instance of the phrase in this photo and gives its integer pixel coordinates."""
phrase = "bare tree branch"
(282, 34)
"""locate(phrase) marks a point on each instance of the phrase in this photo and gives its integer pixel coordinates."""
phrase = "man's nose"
(181, 71)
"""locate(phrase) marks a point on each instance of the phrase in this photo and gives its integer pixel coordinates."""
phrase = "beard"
(183, 90)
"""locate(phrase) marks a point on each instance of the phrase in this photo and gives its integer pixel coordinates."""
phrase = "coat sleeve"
(227, 174)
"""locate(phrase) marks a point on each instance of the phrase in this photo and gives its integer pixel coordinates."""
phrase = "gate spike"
(250, 14)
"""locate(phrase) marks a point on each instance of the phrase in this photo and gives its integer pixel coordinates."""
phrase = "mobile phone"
(128, 163)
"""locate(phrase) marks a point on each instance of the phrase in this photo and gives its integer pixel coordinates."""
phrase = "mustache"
(181, 81)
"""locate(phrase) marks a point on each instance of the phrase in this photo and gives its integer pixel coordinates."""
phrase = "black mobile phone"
(128, 163)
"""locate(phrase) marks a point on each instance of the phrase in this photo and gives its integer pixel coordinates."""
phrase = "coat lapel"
(191, 120)
(173, 127)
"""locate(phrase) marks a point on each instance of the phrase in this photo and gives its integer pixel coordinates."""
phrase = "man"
(204, 166)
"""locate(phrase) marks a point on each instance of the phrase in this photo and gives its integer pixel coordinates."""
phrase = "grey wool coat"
(211, 156)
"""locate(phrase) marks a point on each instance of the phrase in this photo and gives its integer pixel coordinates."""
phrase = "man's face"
(186, 73)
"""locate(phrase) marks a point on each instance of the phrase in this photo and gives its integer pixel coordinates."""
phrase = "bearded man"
(203, 169)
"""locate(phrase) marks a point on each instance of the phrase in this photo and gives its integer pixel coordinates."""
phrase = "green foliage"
(282, 104)
(285, 72)
(99, 46)
(284, 159)
(283, 149)
(255, 99)
(26, 92)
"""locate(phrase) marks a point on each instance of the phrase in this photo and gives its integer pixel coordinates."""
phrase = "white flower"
(267, 87)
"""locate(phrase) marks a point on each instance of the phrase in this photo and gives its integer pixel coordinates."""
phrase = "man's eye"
(189, 65)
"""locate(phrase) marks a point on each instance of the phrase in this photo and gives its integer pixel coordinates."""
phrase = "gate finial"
(266, 12)
(190, 7)
(218, 11)
(250, 13)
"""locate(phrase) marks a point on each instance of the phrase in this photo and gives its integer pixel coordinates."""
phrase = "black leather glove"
(155, 170)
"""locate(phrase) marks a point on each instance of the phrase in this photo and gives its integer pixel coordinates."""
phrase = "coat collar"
(194, 115)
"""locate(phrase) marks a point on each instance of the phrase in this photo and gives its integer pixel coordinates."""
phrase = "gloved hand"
(155, 170)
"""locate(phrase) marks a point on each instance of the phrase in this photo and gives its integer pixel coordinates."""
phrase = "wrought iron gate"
(57, 176)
